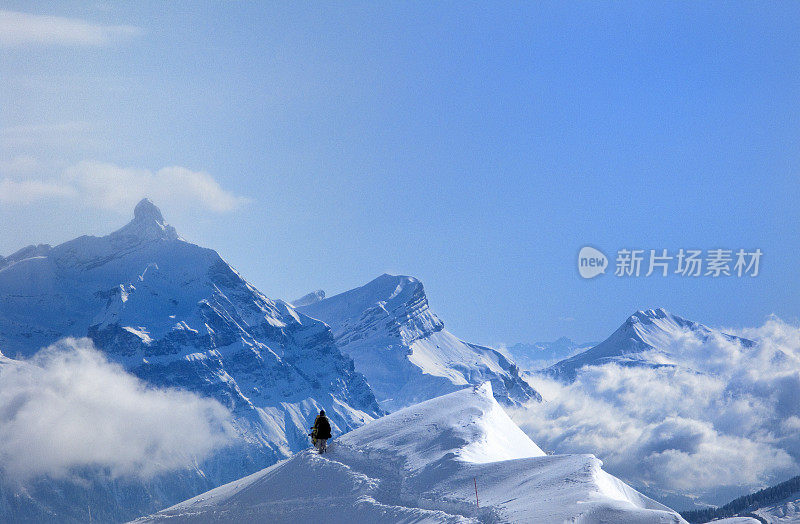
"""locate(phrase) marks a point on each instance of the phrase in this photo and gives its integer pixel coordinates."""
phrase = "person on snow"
(321, 431)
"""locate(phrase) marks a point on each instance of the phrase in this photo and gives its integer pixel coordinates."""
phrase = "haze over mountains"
(540, 355)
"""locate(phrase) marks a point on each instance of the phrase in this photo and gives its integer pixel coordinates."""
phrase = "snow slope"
(177, 315)
(643, 340)
(421, 464)
(403, 349)
(784, 512)
(778, 504)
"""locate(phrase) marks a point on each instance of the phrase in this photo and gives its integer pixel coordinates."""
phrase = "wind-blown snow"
(402, 347)
(311, 298)
(421, 464)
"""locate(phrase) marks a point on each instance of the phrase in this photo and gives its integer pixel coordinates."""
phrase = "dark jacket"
(322, 427)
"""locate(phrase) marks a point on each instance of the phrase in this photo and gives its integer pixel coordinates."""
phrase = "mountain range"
(176, 315)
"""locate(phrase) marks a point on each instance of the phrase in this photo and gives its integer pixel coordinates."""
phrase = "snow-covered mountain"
(425, 463)
(544, 354)
(177, 315)
(644, 339)
(403, 349)
(311, 298)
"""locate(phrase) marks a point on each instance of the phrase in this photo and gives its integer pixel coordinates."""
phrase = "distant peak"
(311, 298)
(147, 210)
(147, 224)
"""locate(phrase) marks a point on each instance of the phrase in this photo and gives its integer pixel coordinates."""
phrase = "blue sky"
(475, 147)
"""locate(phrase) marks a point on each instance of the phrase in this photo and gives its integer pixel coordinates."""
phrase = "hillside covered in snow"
(176, 315)
(403, 348)
(779, 504)
(425, 463)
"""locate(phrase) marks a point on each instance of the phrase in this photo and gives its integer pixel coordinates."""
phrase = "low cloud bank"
(110, 187)
(68, 407)
(718, 416)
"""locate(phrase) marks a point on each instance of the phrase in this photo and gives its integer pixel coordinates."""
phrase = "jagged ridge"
(404, 350)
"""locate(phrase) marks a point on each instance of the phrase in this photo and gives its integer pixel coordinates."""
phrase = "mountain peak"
(401, 298)
(648, 315)
(311, 298)
(146, 210)
(387, 287)
(147, 224)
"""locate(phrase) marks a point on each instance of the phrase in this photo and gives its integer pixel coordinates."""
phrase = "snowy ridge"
(404, 350)
(177, 315)
(421, 464)
(640, 341)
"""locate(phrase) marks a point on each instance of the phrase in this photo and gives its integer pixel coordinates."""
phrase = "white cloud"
(725, 419)
(114, 187)
(111, 187)
(20, 29)
(29, 191)
(68, 407)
